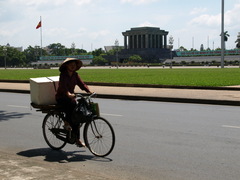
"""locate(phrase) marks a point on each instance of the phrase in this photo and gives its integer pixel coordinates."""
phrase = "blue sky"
(93, 24)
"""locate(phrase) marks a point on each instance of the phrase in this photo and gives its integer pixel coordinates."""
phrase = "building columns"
(165, 41)
(144, 40)
(125, 42)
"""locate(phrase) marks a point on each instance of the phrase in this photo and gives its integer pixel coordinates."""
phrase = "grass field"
(180, 76)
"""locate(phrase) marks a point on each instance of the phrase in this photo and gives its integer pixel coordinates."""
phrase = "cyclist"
(65, 96)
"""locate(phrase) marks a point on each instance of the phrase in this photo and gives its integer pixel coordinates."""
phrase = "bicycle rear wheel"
(99, 137)
(53, 131)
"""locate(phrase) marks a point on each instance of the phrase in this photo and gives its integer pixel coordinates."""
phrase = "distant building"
(109, 48)
(148, 42)
(145, 38)
(53, 60)
(17, 48)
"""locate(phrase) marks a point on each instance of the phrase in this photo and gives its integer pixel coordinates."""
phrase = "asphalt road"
(154, 140)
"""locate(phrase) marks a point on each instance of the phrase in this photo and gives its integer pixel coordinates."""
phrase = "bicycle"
(98, 133)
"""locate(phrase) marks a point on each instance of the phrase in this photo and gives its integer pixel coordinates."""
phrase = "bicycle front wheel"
(53, 131)
(99, 137)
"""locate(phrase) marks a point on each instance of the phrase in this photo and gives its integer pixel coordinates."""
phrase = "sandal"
(80, 143)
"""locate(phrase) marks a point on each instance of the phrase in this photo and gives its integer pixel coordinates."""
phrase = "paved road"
(155, 140)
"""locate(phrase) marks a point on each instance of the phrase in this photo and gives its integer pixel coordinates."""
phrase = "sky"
(93, 24)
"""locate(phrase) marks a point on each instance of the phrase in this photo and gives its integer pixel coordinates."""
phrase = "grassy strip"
(187, 77)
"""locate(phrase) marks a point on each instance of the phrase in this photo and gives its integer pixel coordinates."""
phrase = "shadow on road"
(61, 156)
(5, 116)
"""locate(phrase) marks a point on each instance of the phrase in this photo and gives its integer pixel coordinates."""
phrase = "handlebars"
(87, 97)
(93, 94)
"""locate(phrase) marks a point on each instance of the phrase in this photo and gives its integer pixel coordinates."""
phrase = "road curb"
(149, 98)
(170, 99)
(164, 86)
(142, 85)
(15, 91)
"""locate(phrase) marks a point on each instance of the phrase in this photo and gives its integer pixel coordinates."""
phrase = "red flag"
(39, 25)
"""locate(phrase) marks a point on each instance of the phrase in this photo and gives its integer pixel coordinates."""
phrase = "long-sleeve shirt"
(67, 84)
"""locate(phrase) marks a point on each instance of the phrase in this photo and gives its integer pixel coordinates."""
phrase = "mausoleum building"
(144, 38)
(148, 42)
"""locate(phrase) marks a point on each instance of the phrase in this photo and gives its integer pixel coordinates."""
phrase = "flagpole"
(41, 34)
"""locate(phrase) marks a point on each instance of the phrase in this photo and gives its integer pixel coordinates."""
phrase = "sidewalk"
(202, 96)
(15, 167)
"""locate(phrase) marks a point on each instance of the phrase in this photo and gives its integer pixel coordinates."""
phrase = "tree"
(33, 53)
(170, 41)
(73, 47)
(114, 50)
(226, 35)
(80, 51)
(193, 49)
(182, 48)
(111, 52)
(13, 57)
(238, 44)
(135, 58)
(57, 49)
(98, 52)
(99, 60)
(183, 62)
(238, 41)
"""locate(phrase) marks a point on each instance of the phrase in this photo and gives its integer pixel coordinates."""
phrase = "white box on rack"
(43, 90)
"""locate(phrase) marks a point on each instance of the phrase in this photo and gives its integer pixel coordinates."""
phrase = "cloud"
(160, 21)
(49, 4)
(101, 33)
(209, 25)
(231, 18)
(198, 11)
(146, 24)
(7, 33)
(56, 32)
(137, 2)
(206, 20)
(38, 2)
(82, 30)
(83, 2)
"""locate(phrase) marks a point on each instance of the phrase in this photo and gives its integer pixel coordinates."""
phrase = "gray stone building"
(148, 42)
(145, 38)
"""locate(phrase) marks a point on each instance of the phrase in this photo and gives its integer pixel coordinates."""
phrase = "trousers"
(68, 107)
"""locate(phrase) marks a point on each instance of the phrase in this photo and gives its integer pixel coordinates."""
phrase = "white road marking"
(15, 106)
(26, 107)
(227, 126)
(116, 115)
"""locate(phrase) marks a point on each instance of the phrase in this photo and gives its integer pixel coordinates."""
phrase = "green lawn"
(180, 76)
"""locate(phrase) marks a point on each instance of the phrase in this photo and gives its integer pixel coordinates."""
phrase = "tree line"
(16, 58)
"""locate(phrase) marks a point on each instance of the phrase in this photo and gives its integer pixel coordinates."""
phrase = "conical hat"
(63, 65)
